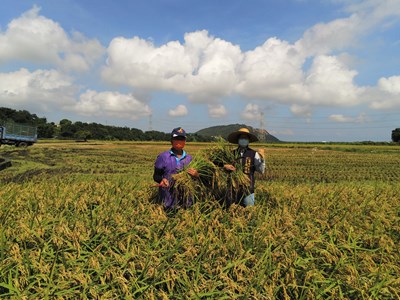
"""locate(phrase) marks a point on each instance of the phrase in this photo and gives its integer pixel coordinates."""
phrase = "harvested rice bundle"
(206, 169)
(187, 188)
(238, 179)
(184, 187)
(228, 183)
(214, 183)
(221, 154)
(238, 184)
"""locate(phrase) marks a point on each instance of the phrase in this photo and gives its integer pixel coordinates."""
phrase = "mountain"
(225, 130)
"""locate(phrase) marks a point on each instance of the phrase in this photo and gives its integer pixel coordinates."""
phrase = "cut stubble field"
(78, 220)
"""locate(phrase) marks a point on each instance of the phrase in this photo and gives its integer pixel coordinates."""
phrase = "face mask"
(243, 142)
(178, 144)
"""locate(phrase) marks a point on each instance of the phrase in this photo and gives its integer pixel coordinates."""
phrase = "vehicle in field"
(18, 135)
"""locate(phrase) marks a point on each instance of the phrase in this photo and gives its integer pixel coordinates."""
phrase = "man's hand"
(230, 168)
(164, 183)
(261, 151)
(193, 172)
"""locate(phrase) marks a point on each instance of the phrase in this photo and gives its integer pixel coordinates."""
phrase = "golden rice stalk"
(214, 182)
(230, 183)
(220, 154)
(186, 187)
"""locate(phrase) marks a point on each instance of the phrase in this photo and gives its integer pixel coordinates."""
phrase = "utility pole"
(261, 132)
(150, 122)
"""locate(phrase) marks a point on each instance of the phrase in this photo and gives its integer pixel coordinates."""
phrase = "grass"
(77, 221)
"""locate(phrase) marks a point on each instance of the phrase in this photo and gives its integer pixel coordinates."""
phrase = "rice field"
(78, 221)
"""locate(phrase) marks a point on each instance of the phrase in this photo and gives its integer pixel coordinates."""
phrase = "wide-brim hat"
(234, 136)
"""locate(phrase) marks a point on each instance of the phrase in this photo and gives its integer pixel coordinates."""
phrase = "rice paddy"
(78, 221)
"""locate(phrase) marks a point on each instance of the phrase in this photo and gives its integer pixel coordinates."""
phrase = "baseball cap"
(179, 131)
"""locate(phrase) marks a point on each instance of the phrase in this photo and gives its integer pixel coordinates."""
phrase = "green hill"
(225, 130)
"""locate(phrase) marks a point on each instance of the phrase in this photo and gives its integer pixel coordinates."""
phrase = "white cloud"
(215, 76)
(390, 85)
(323, 38)
(216, 110)
(40, 91)
(39, 40)
(251, 112)
(330, 82)
(206, 69)
(386, 104)
(111, 104)
(340, 118)
(137, 63)
(178, 111)
(44, 91)
(301, 110)
(375, 9)
(385, 95)
(271, 71)
(203, 67)
(361, 118)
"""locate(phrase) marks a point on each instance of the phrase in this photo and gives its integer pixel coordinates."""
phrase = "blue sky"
(307, 70)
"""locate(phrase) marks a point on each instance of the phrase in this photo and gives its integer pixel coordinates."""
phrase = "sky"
(304, 70)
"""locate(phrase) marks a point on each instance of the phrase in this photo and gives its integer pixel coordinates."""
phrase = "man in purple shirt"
(171, 162)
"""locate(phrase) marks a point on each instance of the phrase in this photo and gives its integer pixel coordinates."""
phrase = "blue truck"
(18, 135)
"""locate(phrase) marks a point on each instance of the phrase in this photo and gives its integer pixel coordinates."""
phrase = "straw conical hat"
(234, 136)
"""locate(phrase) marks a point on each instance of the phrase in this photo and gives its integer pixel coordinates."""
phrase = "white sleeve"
(259, 163)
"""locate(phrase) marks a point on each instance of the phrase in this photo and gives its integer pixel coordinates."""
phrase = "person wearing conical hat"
(251, 161)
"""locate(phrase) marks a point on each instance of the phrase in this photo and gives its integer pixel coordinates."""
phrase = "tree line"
(67, 129)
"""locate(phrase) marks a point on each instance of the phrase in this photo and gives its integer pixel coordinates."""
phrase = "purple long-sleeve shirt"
(167, 164)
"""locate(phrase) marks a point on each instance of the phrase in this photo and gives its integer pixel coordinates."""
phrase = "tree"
(23, 117)
(6, 114)
(396, 135)
(46, 130)
(83, 135)
(67, 129)
(65, 122)
(153, 135)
